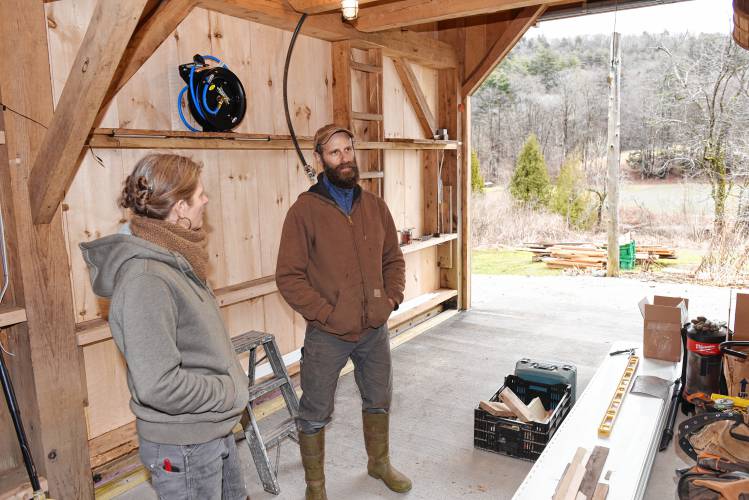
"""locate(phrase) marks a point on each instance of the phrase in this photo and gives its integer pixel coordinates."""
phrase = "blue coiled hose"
(193, 94)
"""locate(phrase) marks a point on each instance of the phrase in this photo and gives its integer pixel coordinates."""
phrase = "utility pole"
(613, 154)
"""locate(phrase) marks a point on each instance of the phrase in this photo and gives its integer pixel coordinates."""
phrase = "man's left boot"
(376, 440)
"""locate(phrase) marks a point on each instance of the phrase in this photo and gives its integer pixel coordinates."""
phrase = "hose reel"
(215, 95)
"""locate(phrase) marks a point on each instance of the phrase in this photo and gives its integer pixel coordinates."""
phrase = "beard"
(338, 179)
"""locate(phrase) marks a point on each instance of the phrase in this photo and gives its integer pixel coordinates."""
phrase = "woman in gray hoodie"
(187, 388)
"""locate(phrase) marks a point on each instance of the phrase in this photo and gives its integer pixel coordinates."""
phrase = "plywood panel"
(307, 85)
(393, 100)
(108, 394)
(149, 98)
(273, 200)
(66, 24)
(413, 191)
(191, 37)
(394, 192)
(241, 215)
(231, 42)
(279, 320)
(266, 113)
(213, 221)
(244, 316)
(91, 212)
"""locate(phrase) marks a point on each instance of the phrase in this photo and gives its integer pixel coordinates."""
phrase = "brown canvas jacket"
(337, 270)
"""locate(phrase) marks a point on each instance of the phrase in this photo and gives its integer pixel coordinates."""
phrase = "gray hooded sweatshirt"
(186, 384)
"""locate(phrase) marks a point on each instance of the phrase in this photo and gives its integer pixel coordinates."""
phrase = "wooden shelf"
(371, 175)
(117, 138)
(420, 305)
(433, 241)
(90, 332)
(11, 315)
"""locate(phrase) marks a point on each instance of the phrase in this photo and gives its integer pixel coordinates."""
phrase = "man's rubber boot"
(376, 439)
(312, 447)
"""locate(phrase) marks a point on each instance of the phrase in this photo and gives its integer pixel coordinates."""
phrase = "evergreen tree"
(570, 199)
(530, 181)
(477, 180)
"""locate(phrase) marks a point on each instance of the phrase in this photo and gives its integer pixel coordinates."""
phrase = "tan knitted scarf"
(175, 238)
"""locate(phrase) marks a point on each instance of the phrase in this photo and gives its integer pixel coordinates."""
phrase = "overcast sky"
(695, 16)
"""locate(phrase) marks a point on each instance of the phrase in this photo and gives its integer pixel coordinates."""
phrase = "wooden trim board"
(108, 138)
(11, 315)
(434, 241)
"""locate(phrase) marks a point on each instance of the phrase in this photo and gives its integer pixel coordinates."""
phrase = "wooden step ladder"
(259, 445)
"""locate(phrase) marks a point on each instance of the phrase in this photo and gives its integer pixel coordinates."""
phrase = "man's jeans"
(323, 357)
(207, 471)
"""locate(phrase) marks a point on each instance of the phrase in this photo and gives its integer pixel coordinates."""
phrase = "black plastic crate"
(513, 437)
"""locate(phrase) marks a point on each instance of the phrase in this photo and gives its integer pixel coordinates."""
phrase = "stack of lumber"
(580, 256)
(657, 251)
(588, 255)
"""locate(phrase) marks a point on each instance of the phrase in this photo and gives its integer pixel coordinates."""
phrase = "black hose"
(307, 168)
(15, 413)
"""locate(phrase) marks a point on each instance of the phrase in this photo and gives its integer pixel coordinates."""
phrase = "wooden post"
(341, 58)
(613, 154)
(47, 368)
(451, 117)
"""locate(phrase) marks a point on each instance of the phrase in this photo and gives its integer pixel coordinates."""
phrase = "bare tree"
(705, 93)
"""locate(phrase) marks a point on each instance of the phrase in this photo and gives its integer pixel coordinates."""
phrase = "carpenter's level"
(607, 423)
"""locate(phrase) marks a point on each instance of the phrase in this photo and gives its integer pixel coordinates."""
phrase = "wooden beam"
(416, 97)
(108, 138)
(318, 6)
(47, 367)
(11, 315)
(366, 68)
(410, 12)
(451, 116)
(416, 46)
(150, 33)
(341, 60)
(512, 31)
(367, 117)
(108, 33)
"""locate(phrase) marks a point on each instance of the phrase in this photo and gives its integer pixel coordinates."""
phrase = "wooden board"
(108, 394)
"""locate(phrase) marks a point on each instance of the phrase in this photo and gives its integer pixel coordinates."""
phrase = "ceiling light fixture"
(350, 9)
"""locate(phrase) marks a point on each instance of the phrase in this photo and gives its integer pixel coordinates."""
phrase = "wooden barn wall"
(249, 191)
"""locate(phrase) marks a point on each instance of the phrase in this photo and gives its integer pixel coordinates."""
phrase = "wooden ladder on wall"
(367, 124)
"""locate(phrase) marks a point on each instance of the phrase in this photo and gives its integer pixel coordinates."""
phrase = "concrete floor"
(441, 375)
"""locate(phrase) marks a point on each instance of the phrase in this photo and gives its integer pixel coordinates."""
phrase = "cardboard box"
(662, 322)
(741, 317)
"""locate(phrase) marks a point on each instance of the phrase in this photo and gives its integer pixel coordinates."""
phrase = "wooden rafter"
(513, 30)
(151, 32)
(416, 46)
(318, 6)
(109, 31)
(411, 12)
(416, 97)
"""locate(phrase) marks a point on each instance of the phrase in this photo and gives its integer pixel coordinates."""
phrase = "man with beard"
(340, 266)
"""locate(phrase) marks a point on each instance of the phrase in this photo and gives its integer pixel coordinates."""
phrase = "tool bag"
(736, 367)
(719, 443)
(696, 484)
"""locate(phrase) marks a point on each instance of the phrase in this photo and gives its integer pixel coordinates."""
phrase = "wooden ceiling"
(382, 15)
